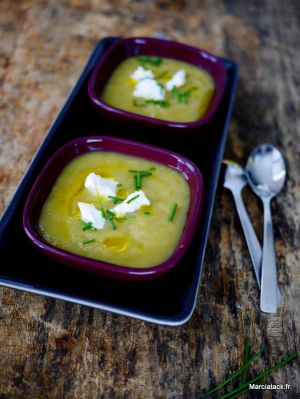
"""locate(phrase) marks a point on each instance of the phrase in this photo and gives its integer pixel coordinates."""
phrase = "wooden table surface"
(53, 349)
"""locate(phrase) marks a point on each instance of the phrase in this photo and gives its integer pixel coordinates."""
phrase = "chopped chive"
(111, 219)
(147, 213)
(135, 182)
(119, 185)
(172, 214)
(87, 226)
(138, 176)
(161, 103)
(115, 199)
(132, 199)
(181, 96)
(146, 59)
(143, 173)
(101, 208)
(88, 242)
(138, 179)
(152, 168)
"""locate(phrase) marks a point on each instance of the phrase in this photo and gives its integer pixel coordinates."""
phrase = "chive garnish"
(161, 103)
(152, 168)
(146, 59)
(101, 208)
(143, 173)
(87, 226)
(132, 199)
(147, 213)
(181, 96)
(138, 179)
(115, 199)
(138, 176)
(143, 103)
(119, 185)
(172, 214)
(135, 182)
(111, 215)
(88, 242)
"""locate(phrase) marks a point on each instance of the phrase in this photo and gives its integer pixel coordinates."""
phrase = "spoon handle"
(250, 235)
(268, 293)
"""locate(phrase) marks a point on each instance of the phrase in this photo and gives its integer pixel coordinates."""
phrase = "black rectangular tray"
(167, 301)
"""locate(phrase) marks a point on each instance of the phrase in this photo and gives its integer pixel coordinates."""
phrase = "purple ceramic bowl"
(154, 47)
(69, 151)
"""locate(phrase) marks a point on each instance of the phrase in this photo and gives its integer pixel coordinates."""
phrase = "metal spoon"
(235, 180)
(266, 174)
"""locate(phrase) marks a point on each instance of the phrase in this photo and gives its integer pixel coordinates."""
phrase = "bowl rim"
(102, 267)
(146, 119)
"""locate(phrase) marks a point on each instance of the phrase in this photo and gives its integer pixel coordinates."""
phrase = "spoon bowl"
(266, 171)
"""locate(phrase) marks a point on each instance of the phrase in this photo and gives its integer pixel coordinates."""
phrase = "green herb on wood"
(260, 378)
(246, 358)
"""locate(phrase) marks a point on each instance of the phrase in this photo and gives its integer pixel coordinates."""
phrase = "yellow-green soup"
(186, 103)
(144, 238)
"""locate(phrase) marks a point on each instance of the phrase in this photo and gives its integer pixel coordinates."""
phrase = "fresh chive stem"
(138, 179)
(147, 213)
(261, 375)
(111, 219)
(138, 176)
(115, 199)
(246, 358)
(132, 199)
(173, 211)
(101, 208)
(238, 372)
(135, 182)
(87, 226)
(88, 242)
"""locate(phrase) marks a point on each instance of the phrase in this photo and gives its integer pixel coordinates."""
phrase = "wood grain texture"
(53, 349)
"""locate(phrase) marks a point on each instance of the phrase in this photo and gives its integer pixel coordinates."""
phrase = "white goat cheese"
(97, 185)
(177, 80)
(141, 73)
(131, 204)
(149, 89)
(89, 213)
